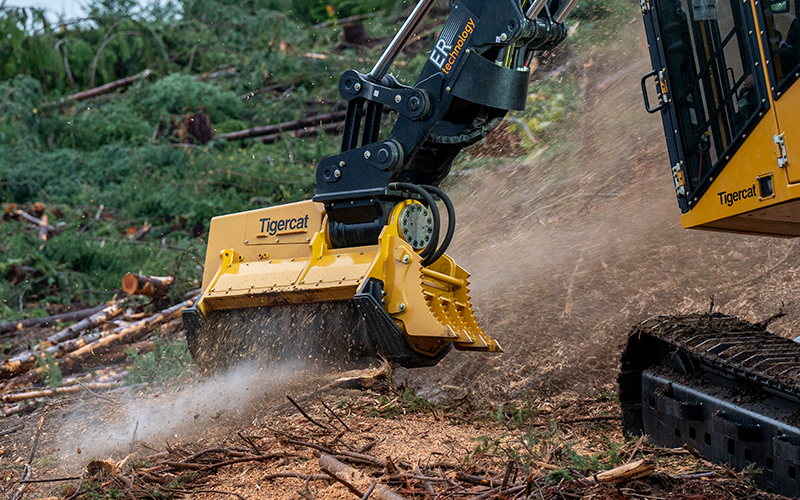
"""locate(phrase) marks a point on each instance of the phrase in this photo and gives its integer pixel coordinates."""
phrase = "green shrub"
(169, 360)
(178, 93)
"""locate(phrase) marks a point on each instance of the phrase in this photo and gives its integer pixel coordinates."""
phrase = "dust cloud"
(571, 248)
(105, 430)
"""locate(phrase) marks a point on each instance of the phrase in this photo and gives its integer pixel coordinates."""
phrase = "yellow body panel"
(787, 110)
(734, 201)
(281, 255)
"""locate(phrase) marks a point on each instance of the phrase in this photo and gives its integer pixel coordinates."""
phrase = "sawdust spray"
(571, 248)
(157, 417)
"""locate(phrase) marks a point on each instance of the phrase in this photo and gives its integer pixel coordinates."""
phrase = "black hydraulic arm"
(476, 72)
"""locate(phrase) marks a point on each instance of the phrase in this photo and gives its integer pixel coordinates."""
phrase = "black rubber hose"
(451, 224)
(430, 248)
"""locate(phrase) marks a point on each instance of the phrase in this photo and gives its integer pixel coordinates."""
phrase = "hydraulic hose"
(430, 248)
(451, 224)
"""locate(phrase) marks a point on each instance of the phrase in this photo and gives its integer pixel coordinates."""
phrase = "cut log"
(10, 326)
(21, 396)
(348, 475)
(624, 473)
(102, 89)
(70, 332)
(149, 286)
(330, 128)
(42, 224)
(124, 335)
(311, 121)
(23, 361)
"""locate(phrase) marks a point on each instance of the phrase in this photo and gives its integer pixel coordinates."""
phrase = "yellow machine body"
(727, 78)
(734, 202)
(282, 255)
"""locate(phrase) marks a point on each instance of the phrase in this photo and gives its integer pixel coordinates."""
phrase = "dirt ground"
(416, 449)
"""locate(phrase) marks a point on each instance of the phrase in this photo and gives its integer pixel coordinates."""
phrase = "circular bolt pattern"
(416, 225)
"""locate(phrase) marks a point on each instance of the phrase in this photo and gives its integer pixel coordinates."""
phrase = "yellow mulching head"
(274, 288)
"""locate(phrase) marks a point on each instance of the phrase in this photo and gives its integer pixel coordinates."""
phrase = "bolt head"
(398, 98)
(342, 163)
(503, 38)
(402, 307)
(406, 259)
(337, 173)
(413, 103)
(367, 154)
(357, 86)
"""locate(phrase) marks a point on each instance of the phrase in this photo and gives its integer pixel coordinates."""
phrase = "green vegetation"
(130, 190)
(52, 373)
(407, 403)
(77, 157)
(168, 361)
(530, 445)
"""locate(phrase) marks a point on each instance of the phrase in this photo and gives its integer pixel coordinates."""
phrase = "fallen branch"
(39, 393)
(311, 121)
(346, 474)
(624, 473)
(214, 466)
(294, 403)
(10, 326)
(50, 480)
(24, 360)
(102, 316)
(480, 481)
(305, 132)
(28, 470)
(102, 89)
(40, 223)
(119, 336)
(12, 430)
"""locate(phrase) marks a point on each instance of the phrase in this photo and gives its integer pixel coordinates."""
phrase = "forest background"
(127, 182)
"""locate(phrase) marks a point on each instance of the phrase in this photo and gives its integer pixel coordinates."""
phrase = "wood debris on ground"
(91, 353)
(365, 439)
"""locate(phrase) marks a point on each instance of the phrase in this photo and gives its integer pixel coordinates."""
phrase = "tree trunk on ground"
(149, 286)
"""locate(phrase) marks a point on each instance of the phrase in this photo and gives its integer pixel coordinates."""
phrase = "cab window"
(782, 31)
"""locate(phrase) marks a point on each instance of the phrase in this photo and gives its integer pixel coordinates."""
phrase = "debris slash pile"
(91, 354)
(370, 441)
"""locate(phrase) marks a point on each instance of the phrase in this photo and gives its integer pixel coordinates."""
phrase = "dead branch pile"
(89, 354)
(329, 452)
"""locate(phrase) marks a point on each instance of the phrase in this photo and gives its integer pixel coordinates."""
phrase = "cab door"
(714, 90)
(781, 40)
(663, 90)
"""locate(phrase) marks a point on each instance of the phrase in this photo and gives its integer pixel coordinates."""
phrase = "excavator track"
(727, 388)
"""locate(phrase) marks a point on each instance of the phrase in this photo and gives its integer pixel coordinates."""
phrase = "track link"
(726, 387)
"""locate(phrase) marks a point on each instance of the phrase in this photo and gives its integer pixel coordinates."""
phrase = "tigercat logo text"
(726, 198)
(444, 56)
(271, 227)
